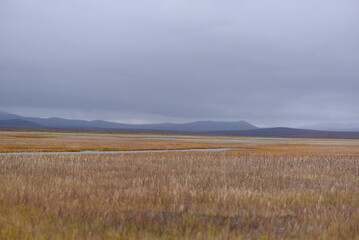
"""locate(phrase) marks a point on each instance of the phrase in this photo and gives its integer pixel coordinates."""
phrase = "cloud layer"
(274, 62)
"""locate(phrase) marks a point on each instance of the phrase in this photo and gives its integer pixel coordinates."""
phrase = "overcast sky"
(278, 62)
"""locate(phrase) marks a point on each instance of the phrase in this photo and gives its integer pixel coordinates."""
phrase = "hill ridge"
(197, 126)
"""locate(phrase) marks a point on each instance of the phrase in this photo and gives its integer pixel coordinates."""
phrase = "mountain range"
(346, 127)
(239, 128)
(8, 119)
(289, 133)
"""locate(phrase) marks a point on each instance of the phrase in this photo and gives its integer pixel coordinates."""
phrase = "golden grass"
(198, 195)
(297, 189)
(50, 142)
(28, 141)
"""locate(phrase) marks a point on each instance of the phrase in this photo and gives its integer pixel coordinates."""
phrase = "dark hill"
(18, 123)
(288, 132)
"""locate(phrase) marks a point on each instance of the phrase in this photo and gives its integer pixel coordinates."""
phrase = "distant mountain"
(200, 126)
(288, 132)
(347, 127)
(17, 123)
(240, 128)
(203, 126)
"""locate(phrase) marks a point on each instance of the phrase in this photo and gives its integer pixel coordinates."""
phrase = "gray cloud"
(268, 62)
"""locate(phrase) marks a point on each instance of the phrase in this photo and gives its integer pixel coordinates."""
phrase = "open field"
(59, 142)
(273, 189)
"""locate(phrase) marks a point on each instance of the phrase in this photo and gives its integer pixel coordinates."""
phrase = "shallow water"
(216, 139)
(130, 151)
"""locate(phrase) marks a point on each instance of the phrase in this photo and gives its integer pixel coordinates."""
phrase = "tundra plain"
(271, 188)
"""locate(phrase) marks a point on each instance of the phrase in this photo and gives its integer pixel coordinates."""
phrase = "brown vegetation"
(58, 142)
(225, 195)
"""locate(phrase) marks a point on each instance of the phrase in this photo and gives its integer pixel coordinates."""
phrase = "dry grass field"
(297, 189)
(60, 142)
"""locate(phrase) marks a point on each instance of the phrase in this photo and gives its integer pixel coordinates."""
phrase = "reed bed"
(224, 195)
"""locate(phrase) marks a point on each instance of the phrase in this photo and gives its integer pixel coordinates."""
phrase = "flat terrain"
(60, 142)
(271, 188)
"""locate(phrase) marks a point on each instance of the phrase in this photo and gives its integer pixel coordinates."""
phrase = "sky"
(271, 63)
